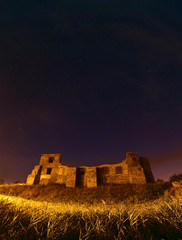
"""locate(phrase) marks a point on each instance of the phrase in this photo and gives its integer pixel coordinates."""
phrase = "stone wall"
(40, 174)
(132, 170)
(139, 169)
(50, 168)
(90, 177)
(136, 175)
(147, 170)
(31, 179)
(62, 175)
(71, 177)
(45, 158)
(115, 173)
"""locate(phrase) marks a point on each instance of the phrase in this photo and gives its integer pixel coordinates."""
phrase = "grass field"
(29, 219)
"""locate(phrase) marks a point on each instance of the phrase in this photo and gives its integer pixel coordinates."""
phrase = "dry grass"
(27, 219)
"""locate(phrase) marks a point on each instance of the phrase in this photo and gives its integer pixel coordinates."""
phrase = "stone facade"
(133, 169)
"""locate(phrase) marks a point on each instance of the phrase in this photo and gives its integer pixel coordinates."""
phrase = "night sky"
(91, 80)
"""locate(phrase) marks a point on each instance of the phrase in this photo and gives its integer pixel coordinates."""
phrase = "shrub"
(175, 177)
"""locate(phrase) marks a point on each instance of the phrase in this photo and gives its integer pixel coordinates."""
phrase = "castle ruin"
(134, 169)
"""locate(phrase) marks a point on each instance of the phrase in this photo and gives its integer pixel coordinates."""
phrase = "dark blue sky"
(91, 80)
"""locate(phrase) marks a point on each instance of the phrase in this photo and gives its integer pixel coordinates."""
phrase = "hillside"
(110, 193)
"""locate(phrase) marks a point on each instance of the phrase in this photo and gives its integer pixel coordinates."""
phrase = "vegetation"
(110, 193)
(128, 212)
(27, 220)
(175, 177)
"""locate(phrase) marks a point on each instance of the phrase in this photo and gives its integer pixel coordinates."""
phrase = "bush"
(160, 181)
(175, 177)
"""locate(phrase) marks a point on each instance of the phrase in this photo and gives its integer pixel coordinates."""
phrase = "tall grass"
(27, 219)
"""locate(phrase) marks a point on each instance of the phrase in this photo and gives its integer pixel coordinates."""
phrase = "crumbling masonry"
(134, 169)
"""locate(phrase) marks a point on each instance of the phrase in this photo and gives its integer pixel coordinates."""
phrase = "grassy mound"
(110, 193)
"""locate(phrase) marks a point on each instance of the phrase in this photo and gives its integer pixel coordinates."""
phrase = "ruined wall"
(71, 177)
(31, 179)
(128, 171)
(90, 179)
(45, 158)
(135, 170)
(50, 167)
(132, 170)
(136, 175)
(147, 170)
(115, 174)
(62, 175)
(47, 171)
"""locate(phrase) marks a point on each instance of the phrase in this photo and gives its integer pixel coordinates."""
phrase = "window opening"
(51, 159)
(82, 171)
(118, 170)
(49, 170)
